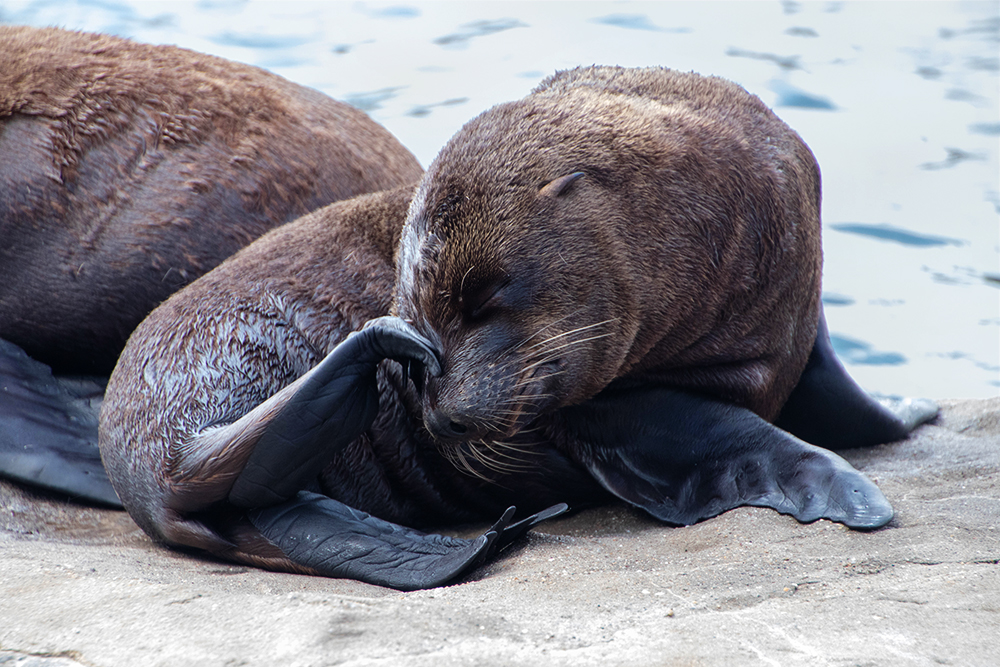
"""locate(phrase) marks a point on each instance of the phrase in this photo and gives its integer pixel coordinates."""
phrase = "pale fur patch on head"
(410, 248)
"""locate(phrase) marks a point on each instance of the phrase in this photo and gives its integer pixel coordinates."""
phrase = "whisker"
(513, 463)
(503, 449)
(457, 458)
(571, 332)
(532, 380)
(551, 354)
(578, 341)
(548, 326)
(461, 287)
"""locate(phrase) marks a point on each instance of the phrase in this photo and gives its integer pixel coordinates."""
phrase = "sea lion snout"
(469, 406)
(444, 427)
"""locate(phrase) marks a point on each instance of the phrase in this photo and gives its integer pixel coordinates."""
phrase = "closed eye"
(478, 302)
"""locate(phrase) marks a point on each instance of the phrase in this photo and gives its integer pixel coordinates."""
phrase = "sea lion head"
(510, 264)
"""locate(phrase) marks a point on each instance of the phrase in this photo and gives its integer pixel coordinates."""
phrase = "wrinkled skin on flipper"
(277, 450)
(684, 458)
(338, 541)
(829, 409)
(48, 429)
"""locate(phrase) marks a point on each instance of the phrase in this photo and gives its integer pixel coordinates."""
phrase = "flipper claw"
(508, 533)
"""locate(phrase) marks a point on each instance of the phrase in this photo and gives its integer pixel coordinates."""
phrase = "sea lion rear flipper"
(338, 541)
(48, 429)
(334, 404)
(827, 408)
(684, 458)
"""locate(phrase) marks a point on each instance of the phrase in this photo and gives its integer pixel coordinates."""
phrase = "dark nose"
(444, 427)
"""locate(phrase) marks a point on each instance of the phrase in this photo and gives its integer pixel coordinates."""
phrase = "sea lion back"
(130, 169)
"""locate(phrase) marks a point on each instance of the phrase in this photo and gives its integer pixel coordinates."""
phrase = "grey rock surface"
(82, 586)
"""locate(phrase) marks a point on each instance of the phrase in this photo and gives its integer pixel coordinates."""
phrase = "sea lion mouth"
(500, 443)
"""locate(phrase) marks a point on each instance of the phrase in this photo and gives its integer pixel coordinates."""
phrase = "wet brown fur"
(129, 170)
(688, 252)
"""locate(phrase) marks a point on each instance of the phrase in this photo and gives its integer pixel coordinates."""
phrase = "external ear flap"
(560, 185)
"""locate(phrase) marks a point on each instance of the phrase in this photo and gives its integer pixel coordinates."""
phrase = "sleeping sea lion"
(607, 289)
(128, 171)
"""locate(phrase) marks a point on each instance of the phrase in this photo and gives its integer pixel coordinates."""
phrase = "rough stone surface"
(82, 586)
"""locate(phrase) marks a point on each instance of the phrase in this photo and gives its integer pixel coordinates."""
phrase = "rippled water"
(898, 100)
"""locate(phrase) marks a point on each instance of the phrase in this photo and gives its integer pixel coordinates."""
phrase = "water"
(898, 100)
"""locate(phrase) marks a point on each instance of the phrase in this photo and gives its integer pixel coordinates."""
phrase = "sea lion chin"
(633, 226)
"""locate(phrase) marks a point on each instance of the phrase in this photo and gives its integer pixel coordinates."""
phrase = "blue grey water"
(898, 100)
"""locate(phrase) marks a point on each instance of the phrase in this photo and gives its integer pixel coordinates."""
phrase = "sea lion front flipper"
(338, 541)
(334, 404)
(684, 458)
(48, 429)
(828, 408)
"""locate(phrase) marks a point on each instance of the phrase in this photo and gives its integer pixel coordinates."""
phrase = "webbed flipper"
(333, 405)
(338, 541)
(48, 429)
(829, 409)
(684, 458)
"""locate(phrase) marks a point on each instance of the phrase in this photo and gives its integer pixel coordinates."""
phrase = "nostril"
(444, 427)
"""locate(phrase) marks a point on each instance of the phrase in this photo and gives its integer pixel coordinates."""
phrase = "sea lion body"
(128, 171)
(550, 359)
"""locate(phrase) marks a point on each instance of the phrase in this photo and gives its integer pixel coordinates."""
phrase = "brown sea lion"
(608, 288)
(128, 171)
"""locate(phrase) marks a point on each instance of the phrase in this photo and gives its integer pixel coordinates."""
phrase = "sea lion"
(128, 171)
(608, 288)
